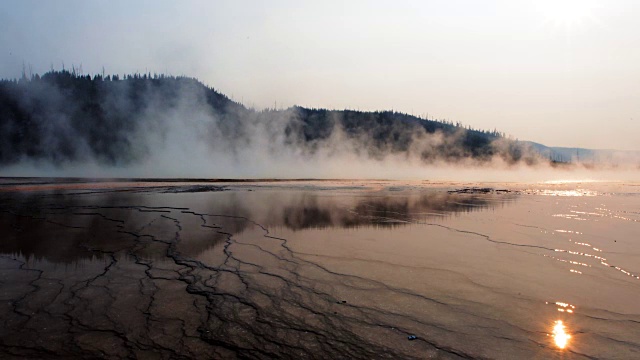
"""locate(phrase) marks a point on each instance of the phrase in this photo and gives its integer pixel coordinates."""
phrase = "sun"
(569, 14)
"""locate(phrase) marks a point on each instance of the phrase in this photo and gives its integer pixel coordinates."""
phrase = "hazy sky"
(564, 73)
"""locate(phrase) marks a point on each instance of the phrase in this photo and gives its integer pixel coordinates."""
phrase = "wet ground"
(318, 270)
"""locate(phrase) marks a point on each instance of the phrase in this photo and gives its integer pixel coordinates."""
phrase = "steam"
(171, 129)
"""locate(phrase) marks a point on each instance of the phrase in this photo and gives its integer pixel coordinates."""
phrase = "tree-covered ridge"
(64, 117)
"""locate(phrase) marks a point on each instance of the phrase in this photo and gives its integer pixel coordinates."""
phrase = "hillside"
(65, 118)
(584, 156)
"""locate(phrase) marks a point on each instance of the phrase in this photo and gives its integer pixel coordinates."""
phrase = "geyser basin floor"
(324, 270)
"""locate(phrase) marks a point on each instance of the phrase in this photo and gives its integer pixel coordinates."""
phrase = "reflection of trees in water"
(57, 227)
(298, 210)
(312, 211)
(64, 228)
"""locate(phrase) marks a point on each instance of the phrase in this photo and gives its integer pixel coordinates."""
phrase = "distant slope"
(609, 157)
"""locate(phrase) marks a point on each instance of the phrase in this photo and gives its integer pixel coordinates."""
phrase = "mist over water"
(61, 125)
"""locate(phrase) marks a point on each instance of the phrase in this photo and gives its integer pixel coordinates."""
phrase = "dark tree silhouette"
(64, 116)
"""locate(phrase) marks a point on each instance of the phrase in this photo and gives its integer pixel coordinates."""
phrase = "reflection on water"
(332, 273)
(554, 192)
(565, 307)
(127, 274)
(65, 229)
(560, 336)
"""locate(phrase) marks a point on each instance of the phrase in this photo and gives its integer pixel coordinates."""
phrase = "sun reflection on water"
(560, 336)
(560, 192)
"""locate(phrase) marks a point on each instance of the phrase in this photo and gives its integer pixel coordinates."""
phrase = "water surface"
(319, 270)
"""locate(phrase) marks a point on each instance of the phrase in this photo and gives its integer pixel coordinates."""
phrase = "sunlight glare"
(560, 337)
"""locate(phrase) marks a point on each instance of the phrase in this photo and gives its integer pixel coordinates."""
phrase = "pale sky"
(563, 72)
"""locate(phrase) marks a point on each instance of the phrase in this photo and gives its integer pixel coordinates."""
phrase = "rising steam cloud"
(149, 126)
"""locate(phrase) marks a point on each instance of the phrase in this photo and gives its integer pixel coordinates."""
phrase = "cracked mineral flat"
(318, 270)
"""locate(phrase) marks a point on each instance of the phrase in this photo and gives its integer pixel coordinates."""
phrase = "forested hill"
(62, 117)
